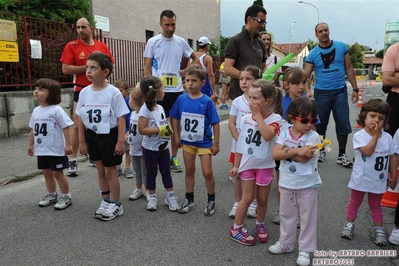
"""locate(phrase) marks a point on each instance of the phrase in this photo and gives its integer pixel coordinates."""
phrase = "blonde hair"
(137, 96)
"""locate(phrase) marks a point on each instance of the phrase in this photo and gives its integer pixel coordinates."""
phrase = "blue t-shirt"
(203, 106)
(329, 65)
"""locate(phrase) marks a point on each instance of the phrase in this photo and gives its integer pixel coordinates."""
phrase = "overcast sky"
(350, 21)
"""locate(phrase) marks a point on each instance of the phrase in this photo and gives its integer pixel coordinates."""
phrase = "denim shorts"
(337, 102)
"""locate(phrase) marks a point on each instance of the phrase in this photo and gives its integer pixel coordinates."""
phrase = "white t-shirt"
(296, 175)
(256, 152)
(167, 55)
(47, 124)
(100, 110)
(135, 138)
(156, 118)
(270, 61)
(239, 108)
(370, 173)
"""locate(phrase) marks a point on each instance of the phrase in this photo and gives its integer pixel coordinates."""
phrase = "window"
(148, 35)
(190, 42)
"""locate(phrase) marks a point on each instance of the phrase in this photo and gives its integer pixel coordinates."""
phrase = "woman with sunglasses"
(299, 179)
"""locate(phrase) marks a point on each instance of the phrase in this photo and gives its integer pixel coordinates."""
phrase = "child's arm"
(267, 131)
(216, 139)
(120, 144)
(237, 160)
(176, 130)
(232, 127)
(368, 150)
(144, 129)
(30, 146)
(68, 142)
(393, 170)
(83, 148)
(298, 154)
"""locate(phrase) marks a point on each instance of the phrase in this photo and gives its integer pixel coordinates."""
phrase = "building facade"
(138, 20)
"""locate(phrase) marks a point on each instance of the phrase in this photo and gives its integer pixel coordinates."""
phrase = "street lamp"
(289, 37)
(318, 15)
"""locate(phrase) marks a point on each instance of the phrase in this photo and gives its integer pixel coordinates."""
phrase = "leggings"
(374, 201)
(153, 161)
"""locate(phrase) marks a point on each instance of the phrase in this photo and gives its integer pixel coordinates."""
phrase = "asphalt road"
(30, 235)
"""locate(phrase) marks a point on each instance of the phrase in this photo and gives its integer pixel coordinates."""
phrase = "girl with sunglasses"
(299, 179)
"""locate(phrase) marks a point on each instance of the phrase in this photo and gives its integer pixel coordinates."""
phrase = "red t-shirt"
(76, 53)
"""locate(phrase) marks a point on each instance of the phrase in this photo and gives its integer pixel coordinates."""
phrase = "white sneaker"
(112, 211)
(171, 201)
(73, 168)
(322, 156)
(232, 213)
(103, 206)
(48, 200)
(276, 218)
(303, 258)
(64, 202)
(136, 194)
(152, 203)
(394, 237)
(251, 212)
(231, 178)
(279, 248)
(129, 173)
(147, 195)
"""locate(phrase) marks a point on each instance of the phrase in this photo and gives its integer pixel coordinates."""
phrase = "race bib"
(299, 168)
(96, 117)
(43, 132)
(251, 142)
(169, 80)
(192, 127)
(376, 166)
(165, 131)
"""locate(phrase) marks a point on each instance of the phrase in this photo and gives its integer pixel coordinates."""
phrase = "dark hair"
(53, 87)
(255, 71)
(301, 107)
(167, 13)
(195, 70)
(149, 87)
(253, 11)
(374, 105)
(103, 60)
(268, 50)
(121, 83)
(320, 23)
(138, 96)
(270, 91)
(290, 75)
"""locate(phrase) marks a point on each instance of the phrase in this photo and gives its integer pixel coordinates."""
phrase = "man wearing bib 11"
(162, 57)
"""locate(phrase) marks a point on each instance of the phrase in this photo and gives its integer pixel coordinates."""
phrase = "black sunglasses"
(306, 120)
(260, 20)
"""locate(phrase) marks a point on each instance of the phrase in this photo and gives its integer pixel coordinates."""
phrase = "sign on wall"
(9, 51)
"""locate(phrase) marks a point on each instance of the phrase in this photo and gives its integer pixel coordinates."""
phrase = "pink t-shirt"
(391, 62)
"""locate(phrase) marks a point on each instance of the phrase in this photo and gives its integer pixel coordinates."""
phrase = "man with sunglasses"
(331, 62)
(245, 48)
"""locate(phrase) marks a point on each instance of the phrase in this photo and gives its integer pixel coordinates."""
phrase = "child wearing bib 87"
(374, 167)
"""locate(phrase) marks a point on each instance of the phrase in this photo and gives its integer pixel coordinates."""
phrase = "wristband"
(356, 89)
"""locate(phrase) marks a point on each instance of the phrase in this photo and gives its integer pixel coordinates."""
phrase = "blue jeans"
(337, 101)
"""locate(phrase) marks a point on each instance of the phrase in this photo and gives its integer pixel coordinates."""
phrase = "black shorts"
(55, 163)
(102, 147)
(169, 100)
(76, 96)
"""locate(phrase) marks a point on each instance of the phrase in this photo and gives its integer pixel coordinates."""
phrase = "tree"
(217, 46)
(68, 11)
(258, 2)
(312, 43)
(380, 53)
(356, 55)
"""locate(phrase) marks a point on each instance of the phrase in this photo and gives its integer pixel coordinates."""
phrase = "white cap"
(203, 41)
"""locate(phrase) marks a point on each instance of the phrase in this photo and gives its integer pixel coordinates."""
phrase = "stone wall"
(16, 109)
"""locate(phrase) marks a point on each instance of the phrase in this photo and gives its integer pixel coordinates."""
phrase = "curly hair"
(374, 105)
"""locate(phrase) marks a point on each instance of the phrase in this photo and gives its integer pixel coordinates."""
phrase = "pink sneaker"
(242, 236)
(261, 233)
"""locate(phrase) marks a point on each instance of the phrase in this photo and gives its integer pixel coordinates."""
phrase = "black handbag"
(386, 89)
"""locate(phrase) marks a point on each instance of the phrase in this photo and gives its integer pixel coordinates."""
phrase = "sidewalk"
(15, 163)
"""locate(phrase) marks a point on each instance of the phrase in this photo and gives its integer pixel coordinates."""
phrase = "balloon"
(269, 73)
